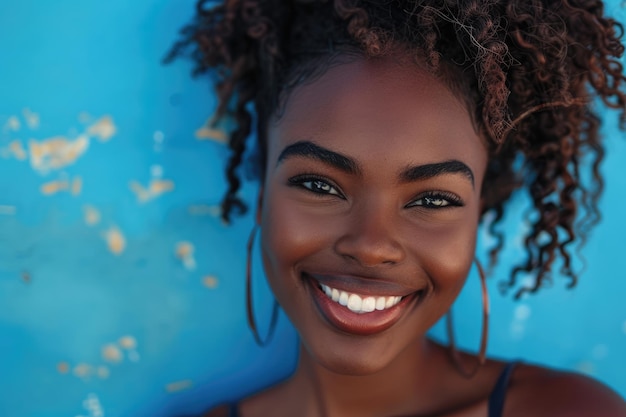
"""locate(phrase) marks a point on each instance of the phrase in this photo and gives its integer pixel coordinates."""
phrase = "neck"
(402, 386)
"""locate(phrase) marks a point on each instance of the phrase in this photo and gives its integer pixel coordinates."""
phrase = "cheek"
(447, 257)
(286, 238)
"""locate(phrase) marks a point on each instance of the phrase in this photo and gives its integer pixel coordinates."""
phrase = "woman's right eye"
(316, 185)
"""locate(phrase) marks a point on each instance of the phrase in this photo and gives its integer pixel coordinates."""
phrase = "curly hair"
(528, 70)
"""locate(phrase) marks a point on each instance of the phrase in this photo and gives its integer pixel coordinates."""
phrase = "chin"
(360, 356)
(352, 366)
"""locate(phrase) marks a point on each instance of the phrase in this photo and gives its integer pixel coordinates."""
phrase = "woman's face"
(372, 195)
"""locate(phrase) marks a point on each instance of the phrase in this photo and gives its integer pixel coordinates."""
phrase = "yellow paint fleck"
(16, 149)
(8, 210)
(82, 370)
(158, 187)
(13, 123)
(56, 152)
(54, 187)
(103, 128)
(91, 215)
(103, 372)
(141, 193)
(210, 281)
(128, 342)
(111, 353)
(63, 367)
(179, 385)
(154, 189)
(77, 185)
(184, 252)
(115, 240)
(32, 118)
(208, 133)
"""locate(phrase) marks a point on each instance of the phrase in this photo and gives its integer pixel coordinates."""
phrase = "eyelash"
(448, 199)
(315, 181)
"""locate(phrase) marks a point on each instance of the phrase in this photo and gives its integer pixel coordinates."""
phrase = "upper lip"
(363, 285)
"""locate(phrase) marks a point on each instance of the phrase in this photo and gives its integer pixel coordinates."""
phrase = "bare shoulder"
(539, 391)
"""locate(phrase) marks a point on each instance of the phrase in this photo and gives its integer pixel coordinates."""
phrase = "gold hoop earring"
(249, 305)
(482, 353)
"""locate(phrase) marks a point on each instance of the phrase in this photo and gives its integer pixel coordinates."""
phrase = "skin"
(371, 225)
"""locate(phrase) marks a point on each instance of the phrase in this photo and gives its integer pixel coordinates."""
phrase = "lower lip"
(362, 324)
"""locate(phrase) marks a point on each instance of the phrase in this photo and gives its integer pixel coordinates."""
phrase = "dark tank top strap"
(498, 394)
(234, 410)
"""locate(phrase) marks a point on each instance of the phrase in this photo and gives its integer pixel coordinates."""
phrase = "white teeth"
(327, 290)
(343, 298)
(355, 303)
(369, 304)
(358, 304)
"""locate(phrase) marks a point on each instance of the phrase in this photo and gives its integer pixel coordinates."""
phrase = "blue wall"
(121, 291)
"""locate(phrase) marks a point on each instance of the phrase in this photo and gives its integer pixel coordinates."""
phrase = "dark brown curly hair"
(529, 71)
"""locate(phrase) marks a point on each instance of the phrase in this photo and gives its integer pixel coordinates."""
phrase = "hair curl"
(529, 72)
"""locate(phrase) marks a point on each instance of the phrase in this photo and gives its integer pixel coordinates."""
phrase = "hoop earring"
(249, 305)
(454, 353)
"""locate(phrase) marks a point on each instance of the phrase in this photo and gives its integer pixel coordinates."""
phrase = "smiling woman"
(356, 213)
(387, 130)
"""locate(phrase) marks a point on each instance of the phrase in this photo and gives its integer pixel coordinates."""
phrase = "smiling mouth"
(361, 313)
(360, 303)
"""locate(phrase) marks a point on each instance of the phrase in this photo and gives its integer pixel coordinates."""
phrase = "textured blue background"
(121, 292)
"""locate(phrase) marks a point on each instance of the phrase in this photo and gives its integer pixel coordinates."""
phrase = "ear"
(259, 206)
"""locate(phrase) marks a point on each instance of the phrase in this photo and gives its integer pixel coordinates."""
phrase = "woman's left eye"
(319, 186)
(435, 201)
(315, 185)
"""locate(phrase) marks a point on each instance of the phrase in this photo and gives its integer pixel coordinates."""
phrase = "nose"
(371, 238)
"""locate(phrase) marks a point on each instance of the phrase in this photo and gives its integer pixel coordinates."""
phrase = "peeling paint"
(210, 282)
(83, 370)
(115, 240)
(207, 133)
(63, 367)
(111, 353)
(91, 215)
(104, 128)
(53, 187)
(56, 152)
(128, 342)
(32, 118)
(12, 124)
(77, 185)
(15, 149)
(155, 188)
(179, 385)
(184, 251)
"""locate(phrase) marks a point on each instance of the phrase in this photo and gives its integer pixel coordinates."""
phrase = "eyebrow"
(308, 149)
(421, 172)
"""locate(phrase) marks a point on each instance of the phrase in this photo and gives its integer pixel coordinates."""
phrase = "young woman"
(386, 130)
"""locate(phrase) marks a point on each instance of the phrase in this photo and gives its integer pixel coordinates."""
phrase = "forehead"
(375, 107)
